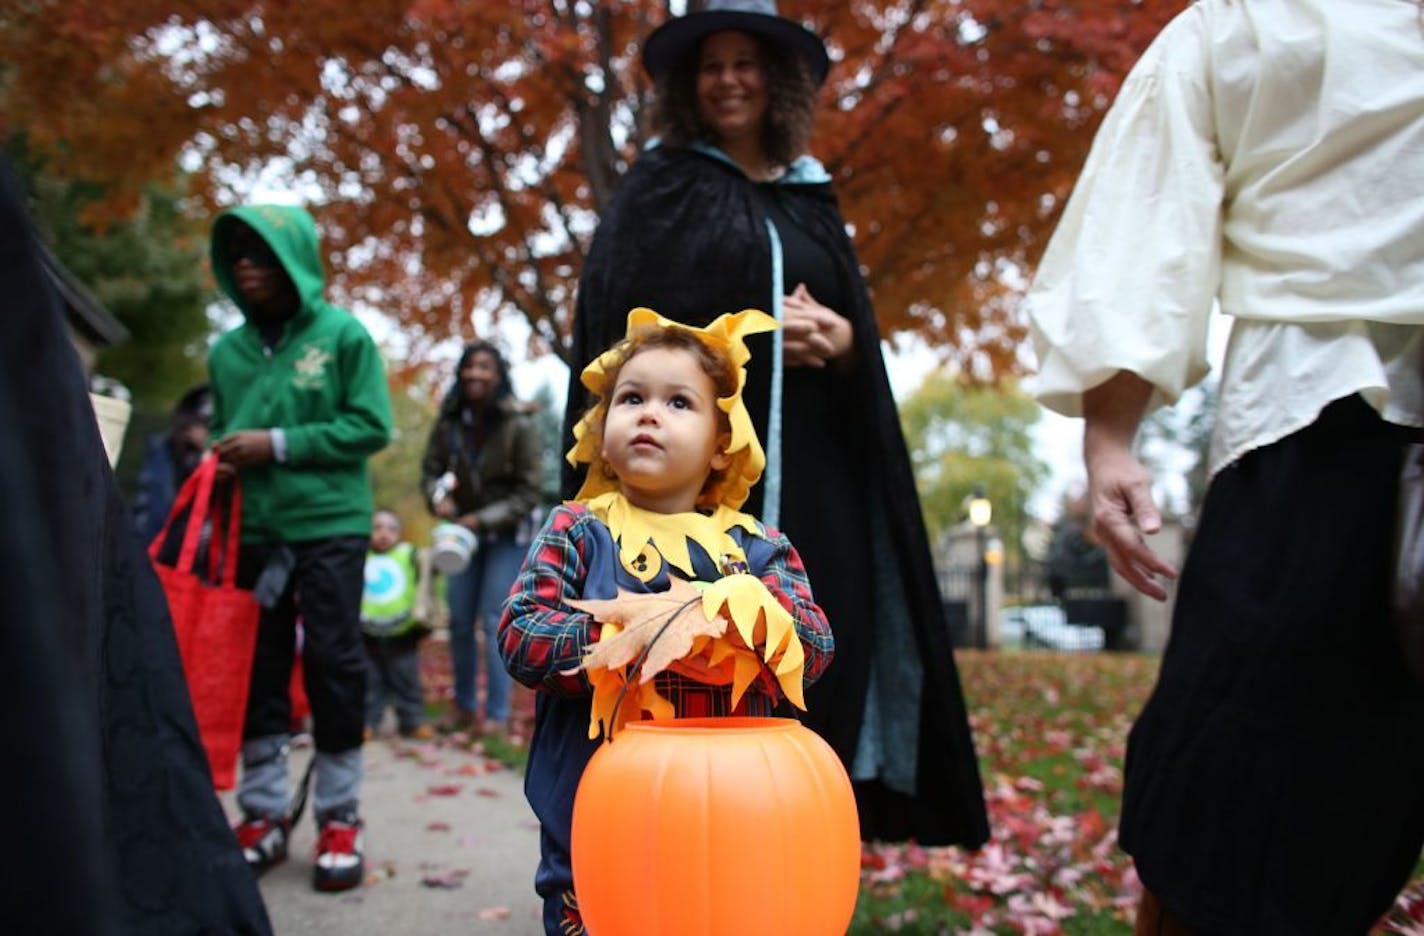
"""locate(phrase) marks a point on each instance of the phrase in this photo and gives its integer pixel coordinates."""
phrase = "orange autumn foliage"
(460, 150)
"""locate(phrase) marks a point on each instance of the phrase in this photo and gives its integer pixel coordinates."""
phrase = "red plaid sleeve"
(540, 636)
(785, 577)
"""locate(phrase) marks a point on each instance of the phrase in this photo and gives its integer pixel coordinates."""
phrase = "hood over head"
(290, 232)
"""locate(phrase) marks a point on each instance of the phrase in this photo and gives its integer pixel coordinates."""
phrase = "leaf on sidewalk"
(473, 769)
(446, 880)
(444, 789)
(495, 913)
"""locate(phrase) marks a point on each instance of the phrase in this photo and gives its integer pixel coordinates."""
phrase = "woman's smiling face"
(479, 377)
(731, 85)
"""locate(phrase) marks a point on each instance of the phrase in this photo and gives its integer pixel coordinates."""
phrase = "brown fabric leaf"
(671, 621)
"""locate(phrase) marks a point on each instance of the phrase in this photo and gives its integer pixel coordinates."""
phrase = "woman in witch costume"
(671, 455)
(727, 211)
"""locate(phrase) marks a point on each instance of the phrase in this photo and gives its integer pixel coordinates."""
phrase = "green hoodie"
(322, 384)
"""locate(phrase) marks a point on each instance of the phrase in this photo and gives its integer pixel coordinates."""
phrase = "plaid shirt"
(543, 639)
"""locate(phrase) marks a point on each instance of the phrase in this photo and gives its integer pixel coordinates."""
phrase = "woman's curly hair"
(790, 111)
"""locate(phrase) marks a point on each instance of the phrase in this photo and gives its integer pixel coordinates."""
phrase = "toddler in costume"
(671, 455)
(393, 611)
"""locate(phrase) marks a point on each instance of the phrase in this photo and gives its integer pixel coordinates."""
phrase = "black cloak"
(686, 235)
(112, 824)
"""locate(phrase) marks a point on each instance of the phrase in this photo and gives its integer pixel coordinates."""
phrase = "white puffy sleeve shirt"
(1269, 155)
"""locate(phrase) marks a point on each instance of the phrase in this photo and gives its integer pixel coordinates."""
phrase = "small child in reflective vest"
(393, 623)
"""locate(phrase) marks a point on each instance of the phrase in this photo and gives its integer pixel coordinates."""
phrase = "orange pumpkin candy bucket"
(710, 826)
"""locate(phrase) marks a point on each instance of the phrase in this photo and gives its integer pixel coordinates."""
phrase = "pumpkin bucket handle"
(642, 658)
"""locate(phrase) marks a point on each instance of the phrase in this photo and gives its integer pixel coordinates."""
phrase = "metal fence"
(956, 591)
(1081, 620)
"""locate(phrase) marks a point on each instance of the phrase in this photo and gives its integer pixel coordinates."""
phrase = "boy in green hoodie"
(299, 405)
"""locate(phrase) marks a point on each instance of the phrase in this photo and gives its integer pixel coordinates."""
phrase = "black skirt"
(1275, 779)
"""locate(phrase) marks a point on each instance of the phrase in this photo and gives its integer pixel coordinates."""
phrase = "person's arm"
(785, 577)
(362, 426)
(1119, 485)
(528, 473)
(541, 638)
(217, 422)
(1128, 279)
(424, 597)
(434, 463)
(147, 497)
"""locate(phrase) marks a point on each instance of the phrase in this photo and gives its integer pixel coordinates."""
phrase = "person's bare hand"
(445, 508)
(245, 447)
(470, 521)
(1120, 493)
(813, 334)
(226, 471)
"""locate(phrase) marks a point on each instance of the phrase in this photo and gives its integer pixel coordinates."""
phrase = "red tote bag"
(214, 620)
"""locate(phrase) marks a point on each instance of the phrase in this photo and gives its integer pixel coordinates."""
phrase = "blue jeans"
(481, 590)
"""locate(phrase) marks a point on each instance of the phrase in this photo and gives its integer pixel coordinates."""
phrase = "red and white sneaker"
(340, 853)
(263, 841)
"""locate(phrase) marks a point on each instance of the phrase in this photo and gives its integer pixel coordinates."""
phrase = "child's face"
(661, 434)
(385, 531)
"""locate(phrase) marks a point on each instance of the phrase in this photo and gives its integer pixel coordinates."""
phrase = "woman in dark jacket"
(729, 212)
(487, 443)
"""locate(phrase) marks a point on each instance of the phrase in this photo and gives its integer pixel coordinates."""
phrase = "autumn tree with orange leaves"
(458, 152)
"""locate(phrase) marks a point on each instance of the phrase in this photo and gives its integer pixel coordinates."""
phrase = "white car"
(1046, 627)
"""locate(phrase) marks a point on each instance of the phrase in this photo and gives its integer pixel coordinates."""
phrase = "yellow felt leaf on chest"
(761, 622)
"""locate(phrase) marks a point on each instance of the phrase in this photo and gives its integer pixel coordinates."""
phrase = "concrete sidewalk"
(451, 846)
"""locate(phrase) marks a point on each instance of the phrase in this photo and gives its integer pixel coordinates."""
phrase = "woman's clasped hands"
(813, 335)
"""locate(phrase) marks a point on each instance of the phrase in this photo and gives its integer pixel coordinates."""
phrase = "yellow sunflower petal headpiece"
(725, 335)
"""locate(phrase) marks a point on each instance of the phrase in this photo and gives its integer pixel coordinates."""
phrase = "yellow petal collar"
(636, 531)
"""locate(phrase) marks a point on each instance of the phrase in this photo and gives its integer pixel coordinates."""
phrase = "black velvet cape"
(111, 822)
(686, 236)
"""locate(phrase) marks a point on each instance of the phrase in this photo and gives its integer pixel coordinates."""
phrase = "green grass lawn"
(1051, 731)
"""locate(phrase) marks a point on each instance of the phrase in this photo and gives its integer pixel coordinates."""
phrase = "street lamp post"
(981, 511)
